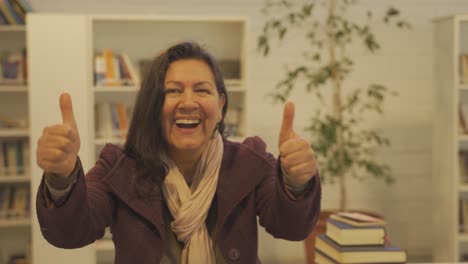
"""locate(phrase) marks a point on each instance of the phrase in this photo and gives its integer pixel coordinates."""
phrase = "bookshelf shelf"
(14, 179)
(15, 222)
(13, 88)
(115, 89)
(8, 133)
(233, 82)
(235, 89)
(12, 28)
(463, 188)
(463, 237)
(464, 87)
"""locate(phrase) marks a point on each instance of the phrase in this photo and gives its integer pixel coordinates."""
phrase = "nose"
(188, 102)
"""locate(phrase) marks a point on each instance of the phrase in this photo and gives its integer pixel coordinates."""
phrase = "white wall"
(404, 63)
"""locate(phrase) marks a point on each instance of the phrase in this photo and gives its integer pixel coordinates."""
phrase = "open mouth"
(187, 123)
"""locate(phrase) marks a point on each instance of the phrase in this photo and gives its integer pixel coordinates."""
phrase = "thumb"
(66, 108)
(287, 125)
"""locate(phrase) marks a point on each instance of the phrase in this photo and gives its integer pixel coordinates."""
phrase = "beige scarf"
(189, 206)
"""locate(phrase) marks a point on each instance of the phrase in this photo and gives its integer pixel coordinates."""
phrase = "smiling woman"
(191, 111)
(179, 191)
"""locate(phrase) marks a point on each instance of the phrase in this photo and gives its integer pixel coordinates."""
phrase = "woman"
(178, 192)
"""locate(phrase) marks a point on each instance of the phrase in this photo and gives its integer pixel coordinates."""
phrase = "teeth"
(187, 121)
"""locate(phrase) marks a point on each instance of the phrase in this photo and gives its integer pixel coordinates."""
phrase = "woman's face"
(192, 106)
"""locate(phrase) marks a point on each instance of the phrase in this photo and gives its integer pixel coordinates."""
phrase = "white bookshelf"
(141, 37)
(15, 233)
(450, 41)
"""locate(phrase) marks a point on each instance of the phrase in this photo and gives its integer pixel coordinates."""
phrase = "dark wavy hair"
(145, 135)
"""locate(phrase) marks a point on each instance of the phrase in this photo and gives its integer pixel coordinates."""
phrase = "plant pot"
(321, 228)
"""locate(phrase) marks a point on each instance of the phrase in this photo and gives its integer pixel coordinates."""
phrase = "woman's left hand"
(296, 155)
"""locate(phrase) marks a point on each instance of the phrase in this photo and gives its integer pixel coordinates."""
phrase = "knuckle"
(67, 130)
(57, 154)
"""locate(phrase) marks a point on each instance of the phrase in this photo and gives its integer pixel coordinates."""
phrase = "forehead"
(189, 70)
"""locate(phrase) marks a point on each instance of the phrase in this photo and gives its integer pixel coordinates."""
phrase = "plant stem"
(337, 102)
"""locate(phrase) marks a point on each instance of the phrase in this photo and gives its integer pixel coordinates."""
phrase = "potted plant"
(344, 143)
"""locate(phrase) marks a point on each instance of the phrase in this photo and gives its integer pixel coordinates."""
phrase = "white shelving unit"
(15, 232)
(72, 42)
(450, 41)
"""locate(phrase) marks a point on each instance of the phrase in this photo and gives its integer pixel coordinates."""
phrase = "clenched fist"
(297, 157)
(58, 146)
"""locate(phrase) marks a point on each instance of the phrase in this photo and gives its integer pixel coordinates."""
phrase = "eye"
(172, 91)
(203, 90)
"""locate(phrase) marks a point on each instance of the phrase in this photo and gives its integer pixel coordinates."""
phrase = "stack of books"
(356, 238)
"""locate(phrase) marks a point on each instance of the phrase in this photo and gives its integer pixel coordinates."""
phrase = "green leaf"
(282, 32)
(316, 57)
(275, 23)
(307, 9)
(393, 12)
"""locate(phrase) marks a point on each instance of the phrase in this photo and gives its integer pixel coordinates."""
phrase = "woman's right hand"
(58, 146)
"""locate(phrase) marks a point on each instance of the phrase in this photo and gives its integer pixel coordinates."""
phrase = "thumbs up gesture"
(58, 146)
(296, 155)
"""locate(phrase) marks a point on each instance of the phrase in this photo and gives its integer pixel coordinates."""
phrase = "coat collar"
(237, 177)
(120, 181)
(236, 180)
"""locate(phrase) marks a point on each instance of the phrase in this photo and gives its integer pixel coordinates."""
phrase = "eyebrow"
(195, 84)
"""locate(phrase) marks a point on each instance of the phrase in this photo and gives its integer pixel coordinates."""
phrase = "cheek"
(213, 111)
(166, 114)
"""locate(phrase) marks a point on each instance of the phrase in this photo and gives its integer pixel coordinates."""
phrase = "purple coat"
(249, 185)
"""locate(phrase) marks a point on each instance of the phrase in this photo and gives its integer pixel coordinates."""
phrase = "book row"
(13, 12)
(13, 68)
(356, 238)
(112, 120)
(14, 201)
(463, 167)
(463, 68)
(112, 69)
(117, 69)
(14, 157)
(463, 216)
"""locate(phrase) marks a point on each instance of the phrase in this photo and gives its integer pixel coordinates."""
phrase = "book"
(5, 9)
(99, 70)
(19, 11)
(359, 254)
(20, 202)
(463, 68)
(463, 167)
(321, 258)
(357, 219)
(136, 79)
(347, 235)
(104, 126)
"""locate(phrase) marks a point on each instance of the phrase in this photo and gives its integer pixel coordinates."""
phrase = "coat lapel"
(237, 178)
(120, 182)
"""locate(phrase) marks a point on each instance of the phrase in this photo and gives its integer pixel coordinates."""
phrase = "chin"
(189, 146)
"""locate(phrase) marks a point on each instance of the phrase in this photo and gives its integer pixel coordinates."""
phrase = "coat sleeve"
(282, 215)
(87, 209)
